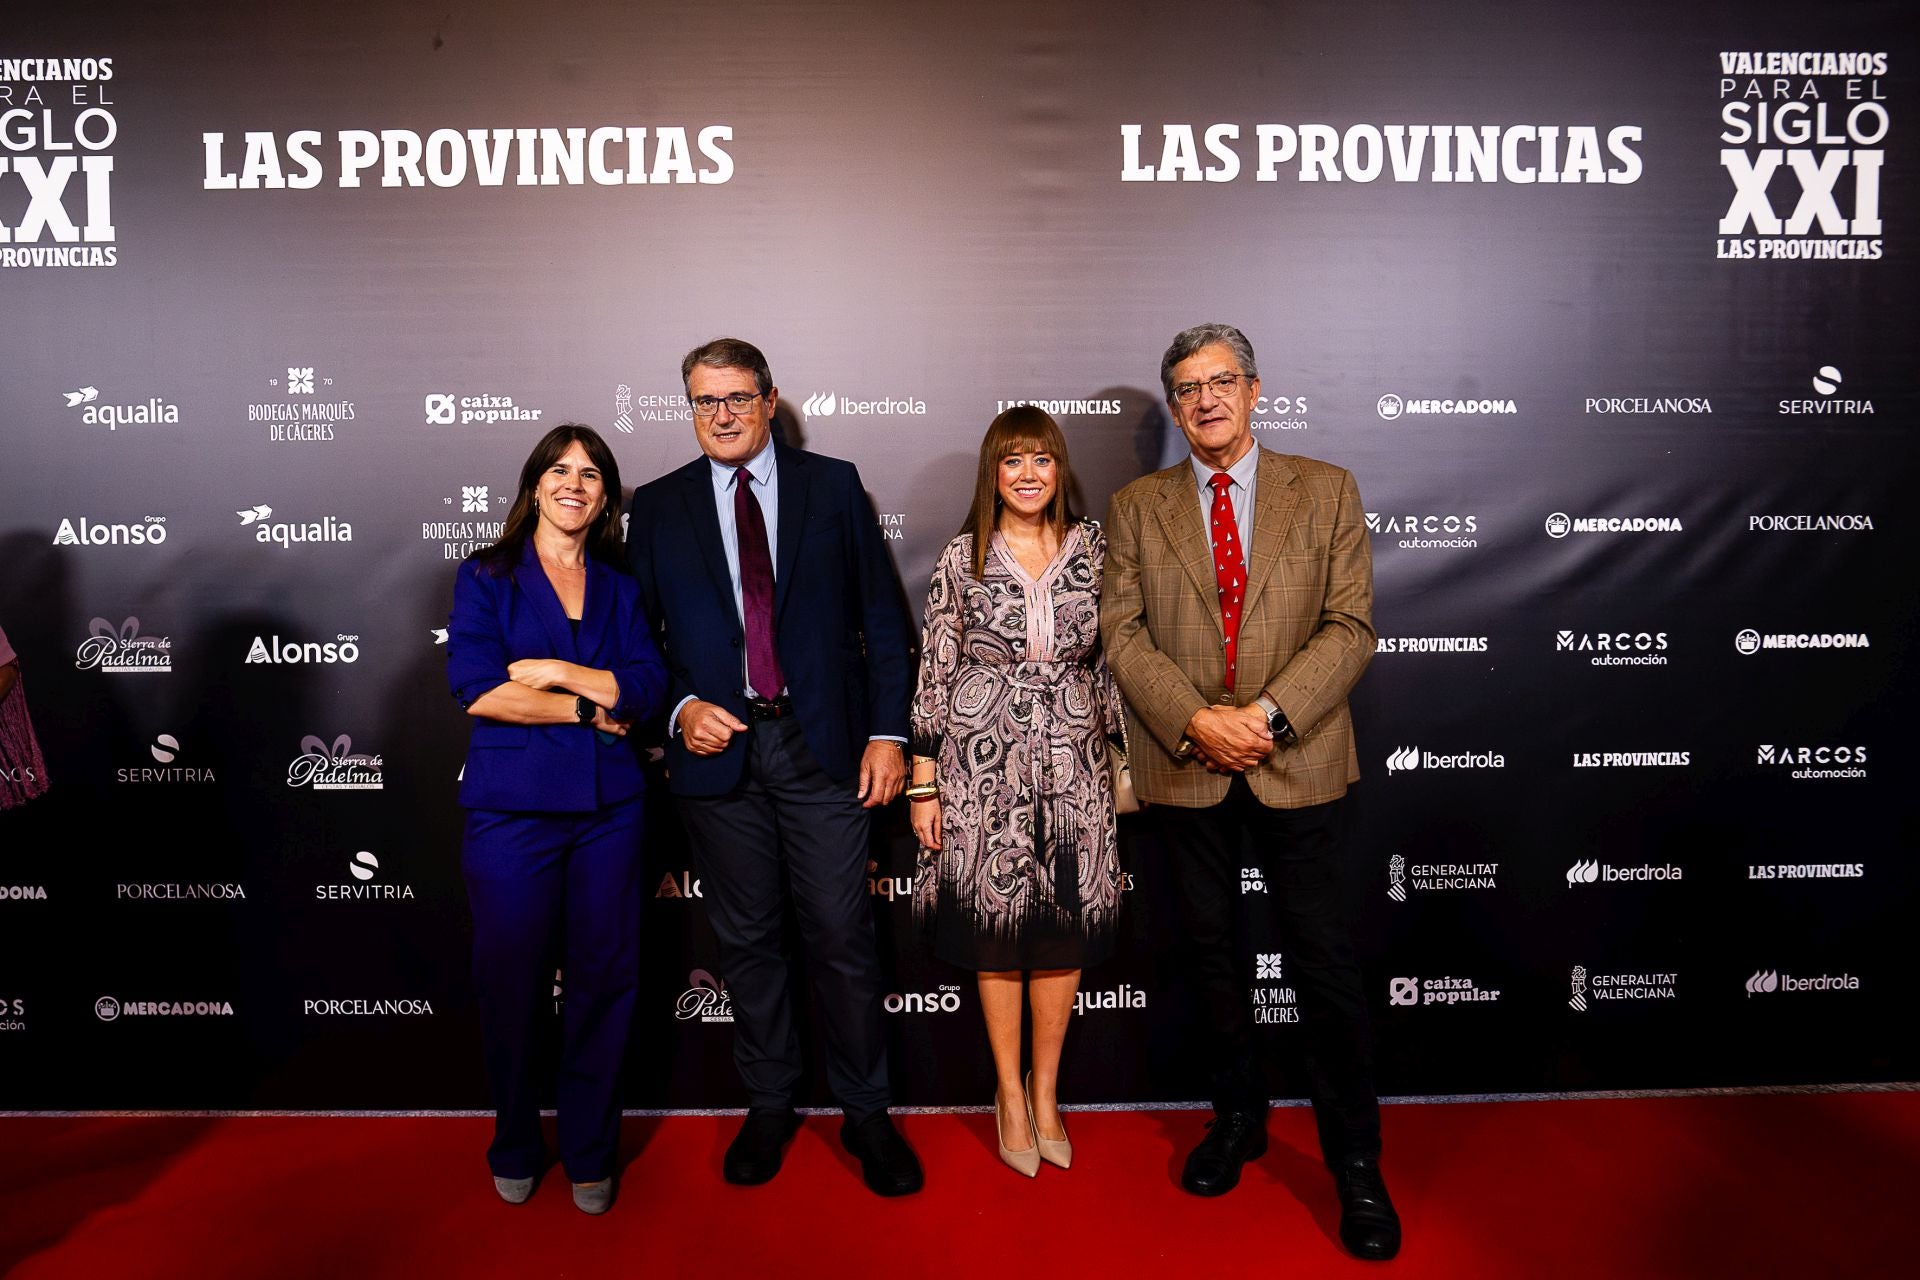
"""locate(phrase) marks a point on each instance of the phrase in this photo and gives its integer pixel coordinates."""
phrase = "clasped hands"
(1230, 739)
(557, 675)
(708, 727)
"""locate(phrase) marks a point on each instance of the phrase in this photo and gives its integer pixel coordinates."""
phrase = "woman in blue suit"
(551, 654)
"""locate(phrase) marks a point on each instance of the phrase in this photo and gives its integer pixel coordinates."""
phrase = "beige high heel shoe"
(1026, 1161)
(1058, 1153)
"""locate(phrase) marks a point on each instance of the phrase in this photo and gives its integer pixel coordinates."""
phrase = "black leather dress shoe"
(887, 1163)
(1233, 1138)
(1368, 1225)
(755, 1153)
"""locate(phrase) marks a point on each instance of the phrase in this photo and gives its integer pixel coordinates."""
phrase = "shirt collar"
(759, 466)
(1242, 471)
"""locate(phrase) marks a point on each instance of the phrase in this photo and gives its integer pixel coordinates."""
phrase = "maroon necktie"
(1229, 567)
(756, 588)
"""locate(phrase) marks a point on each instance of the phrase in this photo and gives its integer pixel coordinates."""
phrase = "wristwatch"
(1277, 725)
(583, 709)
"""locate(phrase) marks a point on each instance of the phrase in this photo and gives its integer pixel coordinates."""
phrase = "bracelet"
(923, 791)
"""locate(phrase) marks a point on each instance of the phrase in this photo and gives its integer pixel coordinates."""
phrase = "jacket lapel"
(793, 519)
(533, 584)
(1179, 515)
(704, 520)
(1276, 495)
(597, 611)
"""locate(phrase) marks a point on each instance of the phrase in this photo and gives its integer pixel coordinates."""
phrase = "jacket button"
(736, 644)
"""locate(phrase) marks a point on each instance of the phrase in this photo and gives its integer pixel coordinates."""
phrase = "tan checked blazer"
(1306, 632)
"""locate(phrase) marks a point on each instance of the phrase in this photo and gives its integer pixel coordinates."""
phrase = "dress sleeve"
(939, 651)
(1104, 689)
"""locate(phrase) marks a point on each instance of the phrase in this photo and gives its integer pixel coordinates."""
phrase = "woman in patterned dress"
(1018, 876)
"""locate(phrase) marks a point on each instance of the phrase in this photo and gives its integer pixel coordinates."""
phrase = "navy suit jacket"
(501, 618)
(840, 623)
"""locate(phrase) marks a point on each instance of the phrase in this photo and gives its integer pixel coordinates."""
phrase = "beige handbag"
(1124, 800)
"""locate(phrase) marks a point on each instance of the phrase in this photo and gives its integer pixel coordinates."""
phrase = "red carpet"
(1777, 1185)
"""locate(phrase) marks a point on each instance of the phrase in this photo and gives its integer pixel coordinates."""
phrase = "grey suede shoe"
(514, 1190)
(593, 1197)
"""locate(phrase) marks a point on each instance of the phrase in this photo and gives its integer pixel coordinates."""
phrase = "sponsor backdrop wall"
(1609, 310)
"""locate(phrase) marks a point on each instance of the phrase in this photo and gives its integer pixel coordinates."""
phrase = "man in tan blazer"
(1237, 614)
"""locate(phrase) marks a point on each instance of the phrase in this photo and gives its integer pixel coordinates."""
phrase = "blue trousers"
(555, 890)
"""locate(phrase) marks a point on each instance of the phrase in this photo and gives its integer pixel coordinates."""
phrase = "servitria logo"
(706, 999)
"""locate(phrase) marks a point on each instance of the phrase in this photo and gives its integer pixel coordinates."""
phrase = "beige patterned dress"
(1016, 704)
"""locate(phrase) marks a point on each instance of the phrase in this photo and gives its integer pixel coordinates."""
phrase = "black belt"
(769, 709)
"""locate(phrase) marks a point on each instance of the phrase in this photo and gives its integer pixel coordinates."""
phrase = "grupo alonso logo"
(706, 999)
(945, 1000)
(334, 767)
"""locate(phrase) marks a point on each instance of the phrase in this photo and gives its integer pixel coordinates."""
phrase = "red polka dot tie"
(1229, 566)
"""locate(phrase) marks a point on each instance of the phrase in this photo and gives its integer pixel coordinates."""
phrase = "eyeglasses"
(1223, 385)
(737, 403)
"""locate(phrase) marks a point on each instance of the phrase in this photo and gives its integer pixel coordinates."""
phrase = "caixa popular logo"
(122, 650)
(706, 999)
(444, 410)
(1431, 991)
(945, 1000)
(284, 533)
(148, 531)
(334, 766)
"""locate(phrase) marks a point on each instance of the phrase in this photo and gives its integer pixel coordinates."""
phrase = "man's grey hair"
(1188, 341)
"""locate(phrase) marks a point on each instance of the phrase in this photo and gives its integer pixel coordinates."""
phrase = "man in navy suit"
(787, 650)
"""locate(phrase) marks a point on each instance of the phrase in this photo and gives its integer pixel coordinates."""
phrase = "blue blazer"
(498, 619)
(839, 619)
